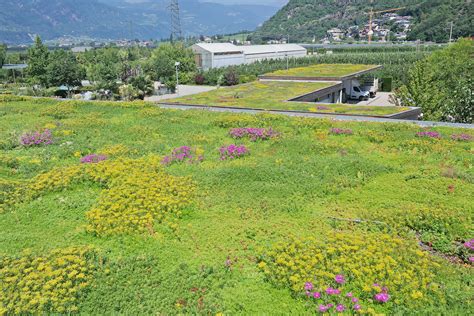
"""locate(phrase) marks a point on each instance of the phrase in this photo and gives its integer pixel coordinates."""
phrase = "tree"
(441, 84)
(3, 54)
(161, 65)
(104, 68)
(63, 69)
(38, 57)
(143, 84)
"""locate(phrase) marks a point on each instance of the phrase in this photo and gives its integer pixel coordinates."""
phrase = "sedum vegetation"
(274, 95)
(323, 70)
(299, 215)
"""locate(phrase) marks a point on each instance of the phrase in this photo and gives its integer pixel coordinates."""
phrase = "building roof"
(318, 72)
(275, 48)
(249, 49)
(219, 47)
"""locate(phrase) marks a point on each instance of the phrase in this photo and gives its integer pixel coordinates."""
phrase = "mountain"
(303, 20)
(21, 20)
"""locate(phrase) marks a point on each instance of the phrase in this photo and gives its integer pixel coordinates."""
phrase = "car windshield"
(356, 89)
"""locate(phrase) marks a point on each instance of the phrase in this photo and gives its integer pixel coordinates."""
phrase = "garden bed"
(127, 208)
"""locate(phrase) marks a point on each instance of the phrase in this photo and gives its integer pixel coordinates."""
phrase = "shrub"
(231, 78)
(199, 79)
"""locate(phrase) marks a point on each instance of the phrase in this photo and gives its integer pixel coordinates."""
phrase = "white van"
(357, 93)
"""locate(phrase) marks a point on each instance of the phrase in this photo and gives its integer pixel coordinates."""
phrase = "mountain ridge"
(304, 20)
(20, 21)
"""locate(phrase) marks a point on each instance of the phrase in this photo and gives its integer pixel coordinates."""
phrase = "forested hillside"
(304, 20)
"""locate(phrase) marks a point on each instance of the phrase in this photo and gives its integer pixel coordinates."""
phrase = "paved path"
(316, 115)
(183, 90)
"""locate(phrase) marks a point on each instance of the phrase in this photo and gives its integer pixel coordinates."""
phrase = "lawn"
(274, 95)
(330, 71)
(103, 211)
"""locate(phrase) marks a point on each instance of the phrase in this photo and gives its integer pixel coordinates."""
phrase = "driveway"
(183, 90)
(382, 99)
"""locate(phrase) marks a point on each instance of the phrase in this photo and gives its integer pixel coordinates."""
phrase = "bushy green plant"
(442, 83)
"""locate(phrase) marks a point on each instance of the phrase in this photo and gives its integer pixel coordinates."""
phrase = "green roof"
(274, 95)
(332, 71)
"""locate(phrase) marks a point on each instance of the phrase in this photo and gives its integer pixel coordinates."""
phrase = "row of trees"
(129, 72)
(442, 84)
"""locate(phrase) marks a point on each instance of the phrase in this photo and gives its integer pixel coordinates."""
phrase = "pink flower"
(357, 307)
(340, 279)
(471, 259)
(340, 308)
(349, 294)
(382, 297)
(332, 291)
(323, 308)
(469, 244)
(316, 294)
(308, 286)
(355, 300)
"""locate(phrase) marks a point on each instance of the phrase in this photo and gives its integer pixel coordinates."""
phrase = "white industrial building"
(215, 55)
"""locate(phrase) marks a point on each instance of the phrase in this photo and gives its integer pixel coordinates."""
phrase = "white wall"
(251, 58)
(227, 60)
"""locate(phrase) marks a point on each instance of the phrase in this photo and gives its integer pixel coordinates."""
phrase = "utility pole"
(176, 32)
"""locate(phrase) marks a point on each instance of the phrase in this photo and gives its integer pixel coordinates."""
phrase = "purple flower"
(471, 259)
(349, 294)
(322, 108)
(317, 294)
(233, 151)
(382, 297)
(429, 134)
(357, 307)
(469, 244)
(323, 308)
(340, 131)
(182, 154)
(461, 137)
(253, 133)
(340, 279)
(355, 300)
(340, 308)
(37, 138)
(308, 286)
(93, 158)
(332, 291)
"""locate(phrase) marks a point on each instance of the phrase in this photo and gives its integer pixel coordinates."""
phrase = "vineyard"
(127, 208)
